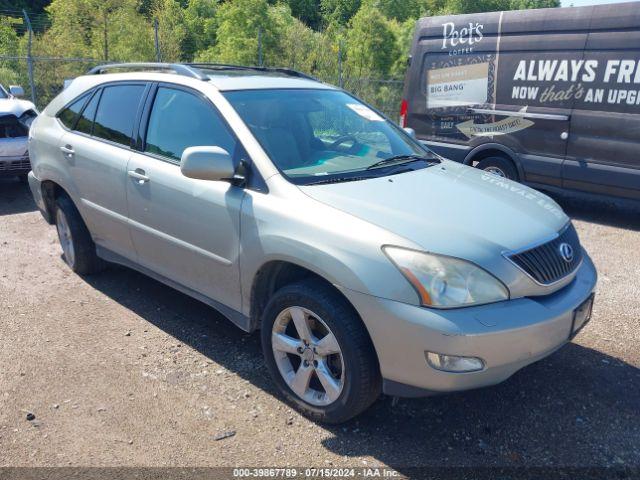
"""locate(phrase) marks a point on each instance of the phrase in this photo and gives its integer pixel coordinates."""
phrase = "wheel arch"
(277, 273)
(50, 192)
(494, 149)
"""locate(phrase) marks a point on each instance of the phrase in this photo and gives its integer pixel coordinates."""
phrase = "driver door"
(184, 229)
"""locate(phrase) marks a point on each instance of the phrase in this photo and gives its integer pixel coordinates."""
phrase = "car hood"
(449, 209)
(14, 106)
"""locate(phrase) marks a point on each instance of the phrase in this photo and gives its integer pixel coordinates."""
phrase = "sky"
(582, 3)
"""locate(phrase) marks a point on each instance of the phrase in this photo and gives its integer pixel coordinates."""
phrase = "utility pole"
(259, 46)
(340, 81)
(32, 85)
(155, 29)
(106, 39)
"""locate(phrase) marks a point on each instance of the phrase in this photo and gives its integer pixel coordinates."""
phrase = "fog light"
(452, 363)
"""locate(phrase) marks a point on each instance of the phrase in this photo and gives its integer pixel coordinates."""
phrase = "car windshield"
(315, 135)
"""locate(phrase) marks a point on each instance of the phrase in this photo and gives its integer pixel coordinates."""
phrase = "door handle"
(139, 175)
(67, 151)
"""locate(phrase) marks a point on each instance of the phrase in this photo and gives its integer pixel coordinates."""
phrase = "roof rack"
(224, 66)
(179, 68)
(193, 69)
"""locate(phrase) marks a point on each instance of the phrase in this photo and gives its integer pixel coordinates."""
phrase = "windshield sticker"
(365, 112)
(457, 86)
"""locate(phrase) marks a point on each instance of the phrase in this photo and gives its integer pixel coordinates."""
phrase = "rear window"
(85, 121)
(117, 112)
(69, 114)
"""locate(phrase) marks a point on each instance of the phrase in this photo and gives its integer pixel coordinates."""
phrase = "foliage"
(356, 40)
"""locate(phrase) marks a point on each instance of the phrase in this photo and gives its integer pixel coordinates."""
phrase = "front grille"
(545, 263)
(21, 164)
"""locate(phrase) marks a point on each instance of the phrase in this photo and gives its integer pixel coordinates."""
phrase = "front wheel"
(319, 352)
(499, 166)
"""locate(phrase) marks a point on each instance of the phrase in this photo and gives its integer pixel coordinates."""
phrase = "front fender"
(340, 248)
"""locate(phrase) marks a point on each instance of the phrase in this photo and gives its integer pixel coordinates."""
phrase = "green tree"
(371, 44)
(340, 11)
(239, 22)
(172, 30)
(400, 10)
(201, 26)
(307, 11)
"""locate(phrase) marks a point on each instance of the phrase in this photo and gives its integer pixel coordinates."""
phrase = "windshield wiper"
(339, 180)
(399, 160)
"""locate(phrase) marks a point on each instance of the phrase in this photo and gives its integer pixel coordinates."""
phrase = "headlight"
(446, 282)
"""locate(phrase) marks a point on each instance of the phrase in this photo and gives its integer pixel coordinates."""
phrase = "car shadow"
(15, 197)
(615, 212)
(577, 407)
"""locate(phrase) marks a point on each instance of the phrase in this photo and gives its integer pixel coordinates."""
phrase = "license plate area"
(582, 315)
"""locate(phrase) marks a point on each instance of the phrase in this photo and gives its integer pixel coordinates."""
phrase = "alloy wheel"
(64, 235)
(496, 171)
(308, 356)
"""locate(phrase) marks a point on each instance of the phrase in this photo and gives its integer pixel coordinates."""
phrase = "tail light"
(404, 109)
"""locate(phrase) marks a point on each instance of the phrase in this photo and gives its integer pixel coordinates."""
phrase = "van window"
(180, 120)
(68, 115)
(117, 112)
(85, 121)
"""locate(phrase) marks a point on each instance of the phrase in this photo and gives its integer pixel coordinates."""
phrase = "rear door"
(603, 147)
(184, 229)
(96, 149)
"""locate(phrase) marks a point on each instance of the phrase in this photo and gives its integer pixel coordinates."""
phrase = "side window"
(117, 112)
(68, 115)
(180, 120)
(85, 121)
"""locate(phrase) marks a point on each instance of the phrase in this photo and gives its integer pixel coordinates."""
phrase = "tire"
(77, 246)
(358, 366)
(500, 166)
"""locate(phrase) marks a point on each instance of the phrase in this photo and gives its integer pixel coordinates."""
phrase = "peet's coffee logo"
(461, 40)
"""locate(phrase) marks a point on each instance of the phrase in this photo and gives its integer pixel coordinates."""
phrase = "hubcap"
(308, 356)
(64, 235)
(496, 171)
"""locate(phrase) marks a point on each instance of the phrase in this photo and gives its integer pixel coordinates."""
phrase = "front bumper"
(18, 165)
(506, 335)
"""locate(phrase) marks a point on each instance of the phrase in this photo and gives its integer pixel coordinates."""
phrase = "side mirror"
(410, 131)
(207, 163)
(16, 90)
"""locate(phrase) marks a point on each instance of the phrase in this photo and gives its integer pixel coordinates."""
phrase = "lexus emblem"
(566, 252)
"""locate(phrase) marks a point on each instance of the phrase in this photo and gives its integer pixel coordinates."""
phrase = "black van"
(549, 97)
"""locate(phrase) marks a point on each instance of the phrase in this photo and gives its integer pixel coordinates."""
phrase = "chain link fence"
(43, 76)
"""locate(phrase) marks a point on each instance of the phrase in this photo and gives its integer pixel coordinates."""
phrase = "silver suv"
(368, 263)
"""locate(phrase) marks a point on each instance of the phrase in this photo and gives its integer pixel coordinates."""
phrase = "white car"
(15, 119)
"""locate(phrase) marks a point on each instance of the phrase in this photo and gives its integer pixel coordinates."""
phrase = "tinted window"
(85, 121)
(180, 120)
(117, 112)
(69, 114)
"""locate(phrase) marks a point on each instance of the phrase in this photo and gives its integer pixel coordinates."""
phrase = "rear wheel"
(319, 353)
(500, 166)
(77, 246)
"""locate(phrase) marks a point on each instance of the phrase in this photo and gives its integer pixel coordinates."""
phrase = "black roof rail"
(178, 68)
(226, 66)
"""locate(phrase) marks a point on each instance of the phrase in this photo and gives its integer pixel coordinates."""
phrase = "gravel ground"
(120, 370)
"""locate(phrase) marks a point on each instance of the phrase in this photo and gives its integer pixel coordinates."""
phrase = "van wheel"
(499, 166)
(319, 352)
(77, 246)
